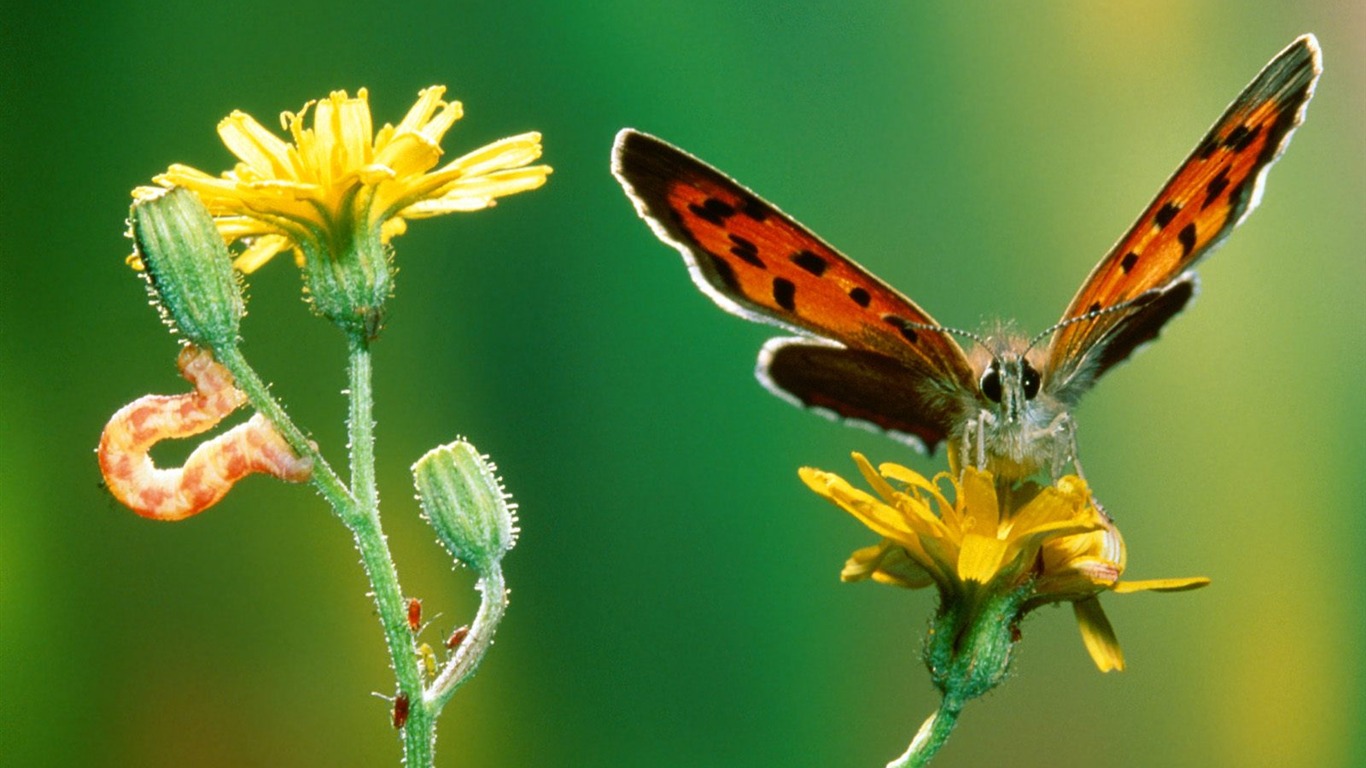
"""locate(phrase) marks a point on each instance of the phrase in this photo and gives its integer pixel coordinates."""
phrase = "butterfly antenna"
(945, 329)
(1132, 305)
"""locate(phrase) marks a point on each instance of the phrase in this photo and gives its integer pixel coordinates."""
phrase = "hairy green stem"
(931, 736)
(419, 731)
(476, 644)
(358, 508)
(258, 393)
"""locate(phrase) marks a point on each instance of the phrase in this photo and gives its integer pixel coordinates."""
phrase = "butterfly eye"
(1029, 379)
(991, 383)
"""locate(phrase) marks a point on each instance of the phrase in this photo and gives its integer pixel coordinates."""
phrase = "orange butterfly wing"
(756, 262)
(1210, 194)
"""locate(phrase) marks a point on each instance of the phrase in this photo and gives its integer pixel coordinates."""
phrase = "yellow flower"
(1044, 544)
(339, 181)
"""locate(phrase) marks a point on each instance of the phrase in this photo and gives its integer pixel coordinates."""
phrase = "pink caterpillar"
(213, 467)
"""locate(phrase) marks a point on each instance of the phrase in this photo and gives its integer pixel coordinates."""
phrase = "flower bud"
(465, 502)
(188, 266)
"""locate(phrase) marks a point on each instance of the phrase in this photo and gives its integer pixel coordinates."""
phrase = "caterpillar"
(212, 469)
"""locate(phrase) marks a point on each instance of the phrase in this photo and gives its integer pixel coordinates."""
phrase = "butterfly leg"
(973, 451)
(964, 450)
(1064, 431)
(1065, 427)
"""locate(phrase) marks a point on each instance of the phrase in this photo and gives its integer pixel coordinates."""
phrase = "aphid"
(457, 637)
(414, 614)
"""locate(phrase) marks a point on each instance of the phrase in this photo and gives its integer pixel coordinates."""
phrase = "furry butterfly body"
(868, 353)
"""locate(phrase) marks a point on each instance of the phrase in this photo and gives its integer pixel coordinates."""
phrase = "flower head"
(1012, 547)
(341, 174)
(340, 191)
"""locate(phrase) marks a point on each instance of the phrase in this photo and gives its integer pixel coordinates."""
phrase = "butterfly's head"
(1010, 381)
(1013, 430)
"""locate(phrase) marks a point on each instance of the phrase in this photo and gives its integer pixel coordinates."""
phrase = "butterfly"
(870, 355)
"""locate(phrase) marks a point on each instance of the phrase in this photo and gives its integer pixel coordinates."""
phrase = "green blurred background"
(675, 599)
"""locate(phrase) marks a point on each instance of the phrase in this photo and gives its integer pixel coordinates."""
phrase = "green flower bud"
(465, 502)
(188, 266)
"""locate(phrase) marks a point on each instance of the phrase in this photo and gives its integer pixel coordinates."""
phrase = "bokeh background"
(675, 599)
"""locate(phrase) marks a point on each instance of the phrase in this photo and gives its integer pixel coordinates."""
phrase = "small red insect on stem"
(213, 467)
(457, 637)
(400, 711)
(414, 614)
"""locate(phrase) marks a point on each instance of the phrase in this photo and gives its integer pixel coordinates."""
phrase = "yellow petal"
(511, 152)
(261, 250)
(893, 565)
(1161, 585)
(409, 154)
(980, 558)
(262, 151)
(499, 184)
(1098, 635)
(1051, 504)
(863, 562)
(883, 488)
(918, 485)
(234, 228)
(977, 497)
(372, 174)
(437, 126)
(882, 519)
(419, 117)
(356, 132)
(321, 148)
(908, 477)
(207, 187)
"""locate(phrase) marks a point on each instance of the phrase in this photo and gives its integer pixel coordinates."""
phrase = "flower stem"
(493, 602)
(324, 478)
(358, 508)
(931, 736)
(419, 732)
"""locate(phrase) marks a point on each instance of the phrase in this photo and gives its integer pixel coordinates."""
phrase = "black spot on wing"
(1187, 239)
(754, 209)
(1208, 147)
(1128, 262)
(1215, 186)
(745, 251)
(860, 296)
(903, 325)
(1240, 138)
(712, 210)
(1165, 214)
(785, 293)
(810, 262)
